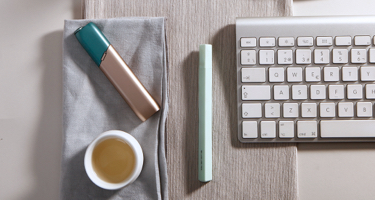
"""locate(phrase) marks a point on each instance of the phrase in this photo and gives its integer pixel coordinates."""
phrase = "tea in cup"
(113, 160)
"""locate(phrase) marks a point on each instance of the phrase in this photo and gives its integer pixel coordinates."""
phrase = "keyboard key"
(303, 56)
(268, 129)
(249, 129)
(308, 109)
(299, 92)
(372, 55)
(286, 41)
(290, 110)
(349, 73)
(340, 56)
(294, 74)
(305, 41)
(362, 40)
(253, 75)
(248, 42)
(266, 57)
(321, 56)
(272, 110)
(318, 92)
(359, 56)
(336, 91)
(285, 57)
(368, 73)
(370, 91)
(281, 92)
(312, 74)
(324, 41)
(307, 129)
(256, 92)
(354, 91)
(327, 110)
(267, 42)
(251, 110)
(286, 129)
(364, 109)
(276, 74)
(331, 74)
(248, 57)
(345, 109)
(347, 128)
(343, 41)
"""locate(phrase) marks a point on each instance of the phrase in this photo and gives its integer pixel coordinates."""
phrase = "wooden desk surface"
(240, 171)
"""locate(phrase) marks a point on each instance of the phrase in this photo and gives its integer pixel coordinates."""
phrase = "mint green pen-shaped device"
(205, 113)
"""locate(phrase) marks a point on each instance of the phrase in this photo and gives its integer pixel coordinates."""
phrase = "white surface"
(303, 56)
(340, 55)
(266, 57)
(281, 92)
(347, 128)
(31, 96)
(31, 99)
(248, 57)
(307, 129)
(321, 56)
(253, 75)
(284, 57)
(256, 92)
(286, 129)
(267, 42)
(336, 170)
(317, 91)
(251, 110)
(343, 41)
(250, 129)
(368, 73)
(349, 73)
(362, 40)
(267, 129)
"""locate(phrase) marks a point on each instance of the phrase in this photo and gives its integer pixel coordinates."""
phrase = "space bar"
(347, 128)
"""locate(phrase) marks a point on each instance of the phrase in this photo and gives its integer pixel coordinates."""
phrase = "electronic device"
(117, 71)
(205, 113)
(306, 79)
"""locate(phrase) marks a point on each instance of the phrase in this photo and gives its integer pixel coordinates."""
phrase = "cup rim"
(131, 141)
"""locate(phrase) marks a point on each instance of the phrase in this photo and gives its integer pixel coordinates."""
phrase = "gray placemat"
(92, 105)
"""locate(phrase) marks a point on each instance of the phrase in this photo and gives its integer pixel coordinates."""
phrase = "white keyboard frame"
(297, 27)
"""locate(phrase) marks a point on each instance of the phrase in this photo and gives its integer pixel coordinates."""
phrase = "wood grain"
(240, 171)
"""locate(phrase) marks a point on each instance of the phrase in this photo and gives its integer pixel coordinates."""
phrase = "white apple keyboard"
(306, 79)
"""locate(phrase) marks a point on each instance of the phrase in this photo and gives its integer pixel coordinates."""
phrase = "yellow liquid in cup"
(113, 160)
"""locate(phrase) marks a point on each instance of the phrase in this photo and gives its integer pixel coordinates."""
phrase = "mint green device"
(205, 113)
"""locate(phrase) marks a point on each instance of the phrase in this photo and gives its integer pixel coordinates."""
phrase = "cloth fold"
(92, 105)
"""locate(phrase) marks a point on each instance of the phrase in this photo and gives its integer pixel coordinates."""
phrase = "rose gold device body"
(128, 85)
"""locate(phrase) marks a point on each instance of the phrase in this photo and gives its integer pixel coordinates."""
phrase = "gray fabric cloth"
(92, 105)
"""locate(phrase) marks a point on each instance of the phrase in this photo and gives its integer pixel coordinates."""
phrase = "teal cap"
(93, 41)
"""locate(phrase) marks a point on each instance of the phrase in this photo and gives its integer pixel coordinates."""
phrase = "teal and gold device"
(205, 113)
(117, 71)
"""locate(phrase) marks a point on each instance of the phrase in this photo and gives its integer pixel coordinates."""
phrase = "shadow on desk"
(224, 64)
(47, 150)
(46, 156)
(191, 71)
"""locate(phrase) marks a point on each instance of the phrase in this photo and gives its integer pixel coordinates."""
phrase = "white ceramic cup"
(132, 142)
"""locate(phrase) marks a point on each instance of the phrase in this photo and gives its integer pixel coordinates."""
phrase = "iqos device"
(117, 71)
